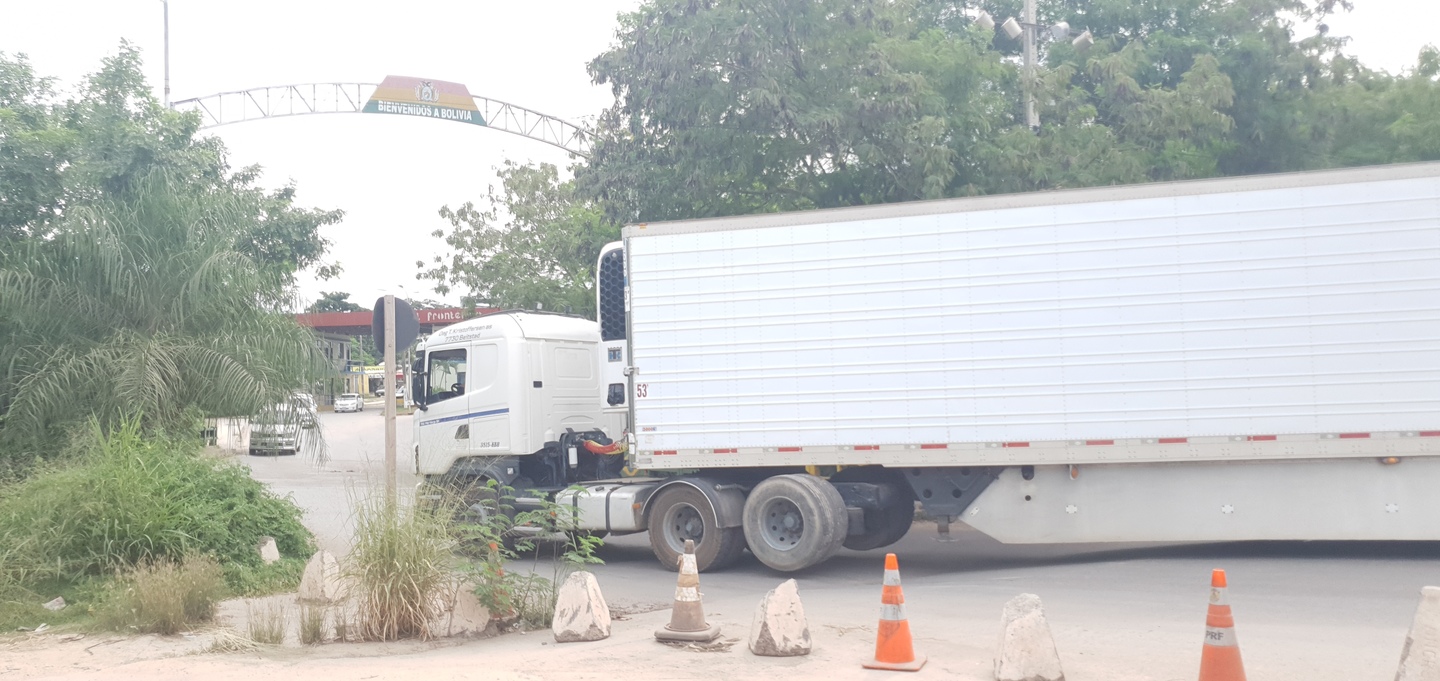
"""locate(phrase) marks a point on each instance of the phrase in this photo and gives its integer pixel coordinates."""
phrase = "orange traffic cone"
(893, 648)
(1220, 659)
(687, 619)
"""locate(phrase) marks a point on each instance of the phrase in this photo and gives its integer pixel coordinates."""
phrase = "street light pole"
(1032, 118)
(166, 3)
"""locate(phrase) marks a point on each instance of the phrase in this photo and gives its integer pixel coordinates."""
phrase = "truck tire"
(681, 512)
(794, 521)
(887, 525)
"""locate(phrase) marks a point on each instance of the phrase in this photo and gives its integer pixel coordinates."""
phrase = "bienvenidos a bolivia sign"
(426, 98)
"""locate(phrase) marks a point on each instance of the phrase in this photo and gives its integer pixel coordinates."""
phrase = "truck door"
(444, 430)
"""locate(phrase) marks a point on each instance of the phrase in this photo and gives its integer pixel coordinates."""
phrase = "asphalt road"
(1304, 611)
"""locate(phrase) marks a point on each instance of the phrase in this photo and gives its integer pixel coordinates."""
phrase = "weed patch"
(166, 597)
(548, 531)
(268, 621)
(312, 625)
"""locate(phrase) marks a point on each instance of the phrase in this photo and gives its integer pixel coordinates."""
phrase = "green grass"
(121, 500)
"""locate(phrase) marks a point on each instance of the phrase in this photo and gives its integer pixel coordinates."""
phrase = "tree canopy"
(534, 242)
(731, 107)
(140, 277)
(334, 301)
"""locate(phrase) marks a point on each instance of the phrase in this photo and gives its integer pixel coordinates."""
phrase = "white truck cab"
(500, 388)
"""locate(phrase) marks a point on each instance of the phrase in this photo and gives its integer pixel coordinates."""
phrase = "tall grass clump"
(401, 567)
(312, 625)
(125, 499)
(267, 622)
(165, 596)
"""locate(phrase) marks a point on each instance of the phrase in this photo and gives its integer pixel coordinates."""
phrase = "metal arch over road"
(277, 101)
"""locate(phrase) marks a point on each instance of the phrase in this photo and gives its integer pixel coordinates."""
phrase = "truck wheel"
(681, 512)
(794, 521)
(887, 525)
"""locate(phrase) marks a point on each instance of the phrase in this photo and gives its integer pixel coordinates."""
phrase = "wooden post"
(390, 400)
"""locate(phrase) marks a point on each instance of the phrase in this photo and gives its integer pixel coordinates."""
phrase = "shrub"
(164, 597)
(400, 564)
(125, 500)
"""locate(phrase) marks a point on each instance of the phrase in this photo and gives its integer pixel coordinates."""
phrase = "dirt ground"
(631, 651)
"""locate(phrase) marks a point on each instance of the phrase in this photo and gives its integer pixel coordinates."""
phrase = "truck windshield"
(446, 370)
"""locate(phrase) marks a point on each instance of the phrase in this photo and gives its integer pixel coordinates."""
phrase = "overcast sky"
(391, 173)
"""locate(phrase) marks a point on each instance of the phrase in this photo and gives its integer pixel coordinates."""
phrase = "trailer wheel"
(794, 521)
(682, 512)
(887, 525)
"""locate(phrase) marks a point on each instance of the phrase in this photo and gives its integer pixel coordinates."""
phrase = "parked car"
(348, 402)
(276, 430)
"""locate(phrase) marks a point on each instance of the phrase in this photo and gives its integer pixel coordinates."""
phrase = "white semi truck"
(1232, 359)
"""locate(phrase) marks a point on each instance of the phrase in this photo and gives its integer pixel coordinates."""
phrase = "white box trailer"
(1246, 358)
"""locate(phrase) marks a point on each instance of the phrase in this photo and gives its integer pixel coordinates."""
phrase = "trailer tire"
(890, 524)
(792, 522)
(682, 512)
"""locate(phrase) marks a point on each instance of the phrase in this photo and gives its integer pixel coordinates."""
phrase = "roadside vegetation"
(152, 511)
(144, 287)
(499, 542)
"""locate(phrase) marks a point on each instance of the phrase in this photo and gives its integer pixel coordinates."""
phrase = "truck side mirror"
(418, 380)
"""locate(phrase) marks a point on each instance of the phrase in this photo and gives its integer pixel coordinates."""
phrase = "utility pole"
(1032, 119)
(390, 401)
(166, 3)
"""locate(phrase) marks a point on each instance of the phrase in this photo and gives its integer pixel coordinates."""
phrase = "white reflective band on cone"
(1218, 597)
(1221, 637)
(893, 613)
(687, 594)
(892, 578)
(687, 564)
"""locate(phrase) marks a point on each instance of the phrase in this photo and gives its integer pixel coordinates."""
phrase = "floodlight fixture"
(1060, 31)
(985, 21)
(1083, 41)
(1012, 28)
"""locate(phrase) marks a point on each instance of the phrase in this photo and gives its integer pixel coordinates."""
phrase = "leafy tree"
(160, 318)
(334, 301)
(726, 107)
(138, 274)
(730, 108)
(56, 156)
(542, 251)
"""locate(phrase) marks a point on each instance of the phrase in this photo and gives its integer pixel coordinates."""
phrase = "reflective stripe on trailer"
(1045, 446)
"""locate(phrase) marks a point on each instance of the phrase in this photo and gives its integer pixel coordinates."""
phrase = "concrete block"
(269, 552)
(321, 582)
(779, 628)
(1420, 659)
(1027, 650)
(460, 613)
(581, 613)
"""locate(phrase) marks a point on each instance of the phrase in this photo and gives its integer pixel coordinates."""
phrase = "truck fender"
(727, 499)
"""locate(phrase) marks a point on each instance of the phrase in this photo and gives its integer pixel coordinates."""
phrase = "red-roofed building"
(336, 329)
